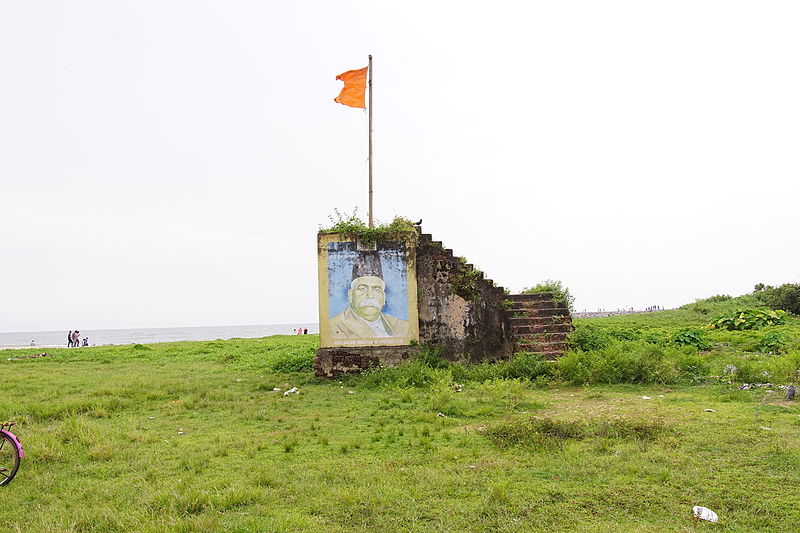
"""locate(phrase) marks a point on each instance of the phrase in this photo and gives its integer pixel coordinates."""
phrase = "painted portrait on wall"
(367, 294)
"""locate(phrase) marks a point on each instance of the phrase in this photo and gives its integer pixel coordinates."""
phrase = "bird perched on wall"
(418, 223)
(790, 392)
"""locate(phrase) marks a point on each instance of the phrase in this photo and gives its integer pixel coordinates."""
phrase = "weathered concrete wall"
(333, 362)
(455, 309)
(459, 310)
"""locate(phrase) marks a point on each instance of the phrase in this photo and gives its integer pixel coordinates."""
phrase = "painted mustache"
(370, 302)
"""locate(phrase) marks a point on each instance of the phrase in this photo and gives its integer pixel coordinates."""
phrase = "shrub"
(785, 368)
(556, 288)
(690, 337)
(292, 362)
(632, 362)
(773, 343)
(549, 431)
(786, 296)
(743, 319)
(587, 337)
(529, 366)
(625, 334)
(536, 431)
(407, 375)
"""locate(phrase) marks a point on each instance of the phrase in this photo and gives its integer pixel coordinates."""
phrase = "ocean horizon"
(104, 337)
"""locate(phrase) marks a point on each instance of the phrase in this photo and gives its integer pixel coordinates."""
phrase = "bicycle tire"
(9, 458)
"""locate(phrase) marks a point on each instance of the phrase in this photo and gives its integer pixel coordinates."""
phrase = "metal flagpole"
(369, 71)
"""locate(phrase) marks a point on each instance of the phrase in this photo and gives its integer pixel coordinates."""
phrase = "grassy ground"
(192, 437)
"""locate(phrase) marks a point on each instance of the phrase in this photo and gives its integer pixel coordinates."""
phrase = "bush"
(744, 319)
(529, 366)
(556, 288)
(292, 362)
(773, 343)
(690, 337)
(587, 337)
(785, 297)
(632, 362)
(407, 375)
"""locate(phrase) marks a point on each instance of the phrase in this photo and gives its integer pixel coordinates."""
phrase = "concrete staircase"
(539, 324)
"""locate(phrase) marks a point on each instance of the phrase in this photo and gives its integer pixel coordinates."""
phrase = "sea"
(102, 337)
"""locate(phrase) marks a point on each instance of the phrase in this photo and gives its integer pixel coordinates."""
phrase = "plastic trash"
(704, 513)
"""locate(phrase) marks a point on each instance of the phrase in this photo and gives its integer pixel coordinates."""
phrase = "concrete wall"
(459, 310)
(456, 310)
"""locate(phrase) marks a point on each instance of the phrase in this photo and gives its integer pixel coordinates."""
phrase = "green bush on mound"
(744, 319)
(633, 362)
(690, 337)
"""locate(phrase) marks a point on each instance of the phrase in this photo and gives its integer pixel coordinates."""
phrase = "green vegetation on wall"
(554, 287)
(398, 229)
(464, 281)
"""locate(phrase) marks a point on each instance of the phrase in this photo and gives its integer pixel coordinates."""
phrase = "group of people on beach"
(300, 331)
(74, 339)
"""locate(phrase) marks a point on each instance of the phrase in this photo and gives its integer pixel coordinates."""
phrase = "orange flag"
(355, 83)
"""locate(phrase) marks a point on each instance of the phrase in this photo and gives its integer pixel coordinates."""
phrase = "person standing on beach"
(76, 339)
(69, 339)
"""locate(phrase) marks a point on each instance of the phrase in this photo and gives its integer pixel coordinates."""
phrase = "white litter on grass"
(294, 390)
(646, 398)
(442, 415)
(766, 429)
(151, 417)
(180, 433)
(350, 392)
(709, 410)
(703, 513)
(276, 389)
(660, 395)
(238, 380)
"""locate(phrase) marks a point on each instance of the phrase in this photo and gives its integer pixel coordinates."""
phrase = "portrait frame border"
(410, 240)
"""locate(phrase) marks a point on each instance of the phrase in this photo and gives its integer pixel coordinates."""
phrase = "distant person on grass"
(69, 339)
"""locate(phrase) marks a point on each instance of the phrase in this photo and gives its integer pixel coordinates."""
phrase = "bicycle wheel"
(9, 459)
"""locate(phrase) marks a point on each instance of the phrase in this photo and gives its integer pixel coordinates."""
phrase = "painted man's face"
(367, 297)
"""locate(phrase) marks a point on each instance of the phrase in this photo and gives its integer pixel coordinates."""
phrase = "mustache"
(370, 302)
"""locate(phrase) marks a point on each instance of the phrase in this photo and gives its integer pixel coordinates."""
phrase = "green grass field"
(191, 437)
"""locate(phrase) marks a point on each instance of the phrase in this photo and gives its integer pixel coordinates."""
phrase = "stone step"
(425, 238)
(530, 297)
(542, 311)
(541, 328)
(540, 304)
(542, 347)
(541, 337)
(550, 311)
(539, 320)
(550, 357)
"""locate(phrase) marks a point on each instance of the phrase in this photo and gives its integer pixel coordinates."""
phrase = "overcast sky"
(168, 163)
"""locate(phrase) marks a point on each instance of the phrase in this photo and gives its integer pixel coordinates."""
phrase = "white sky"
(168, 163)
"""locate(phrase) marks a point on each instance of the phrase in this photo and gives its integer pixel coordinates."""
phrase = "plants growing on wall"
(554, 287)
(398, 229)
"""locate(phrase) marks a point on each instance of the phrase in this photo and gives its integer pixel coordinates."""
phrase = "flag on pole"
(355, 84)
